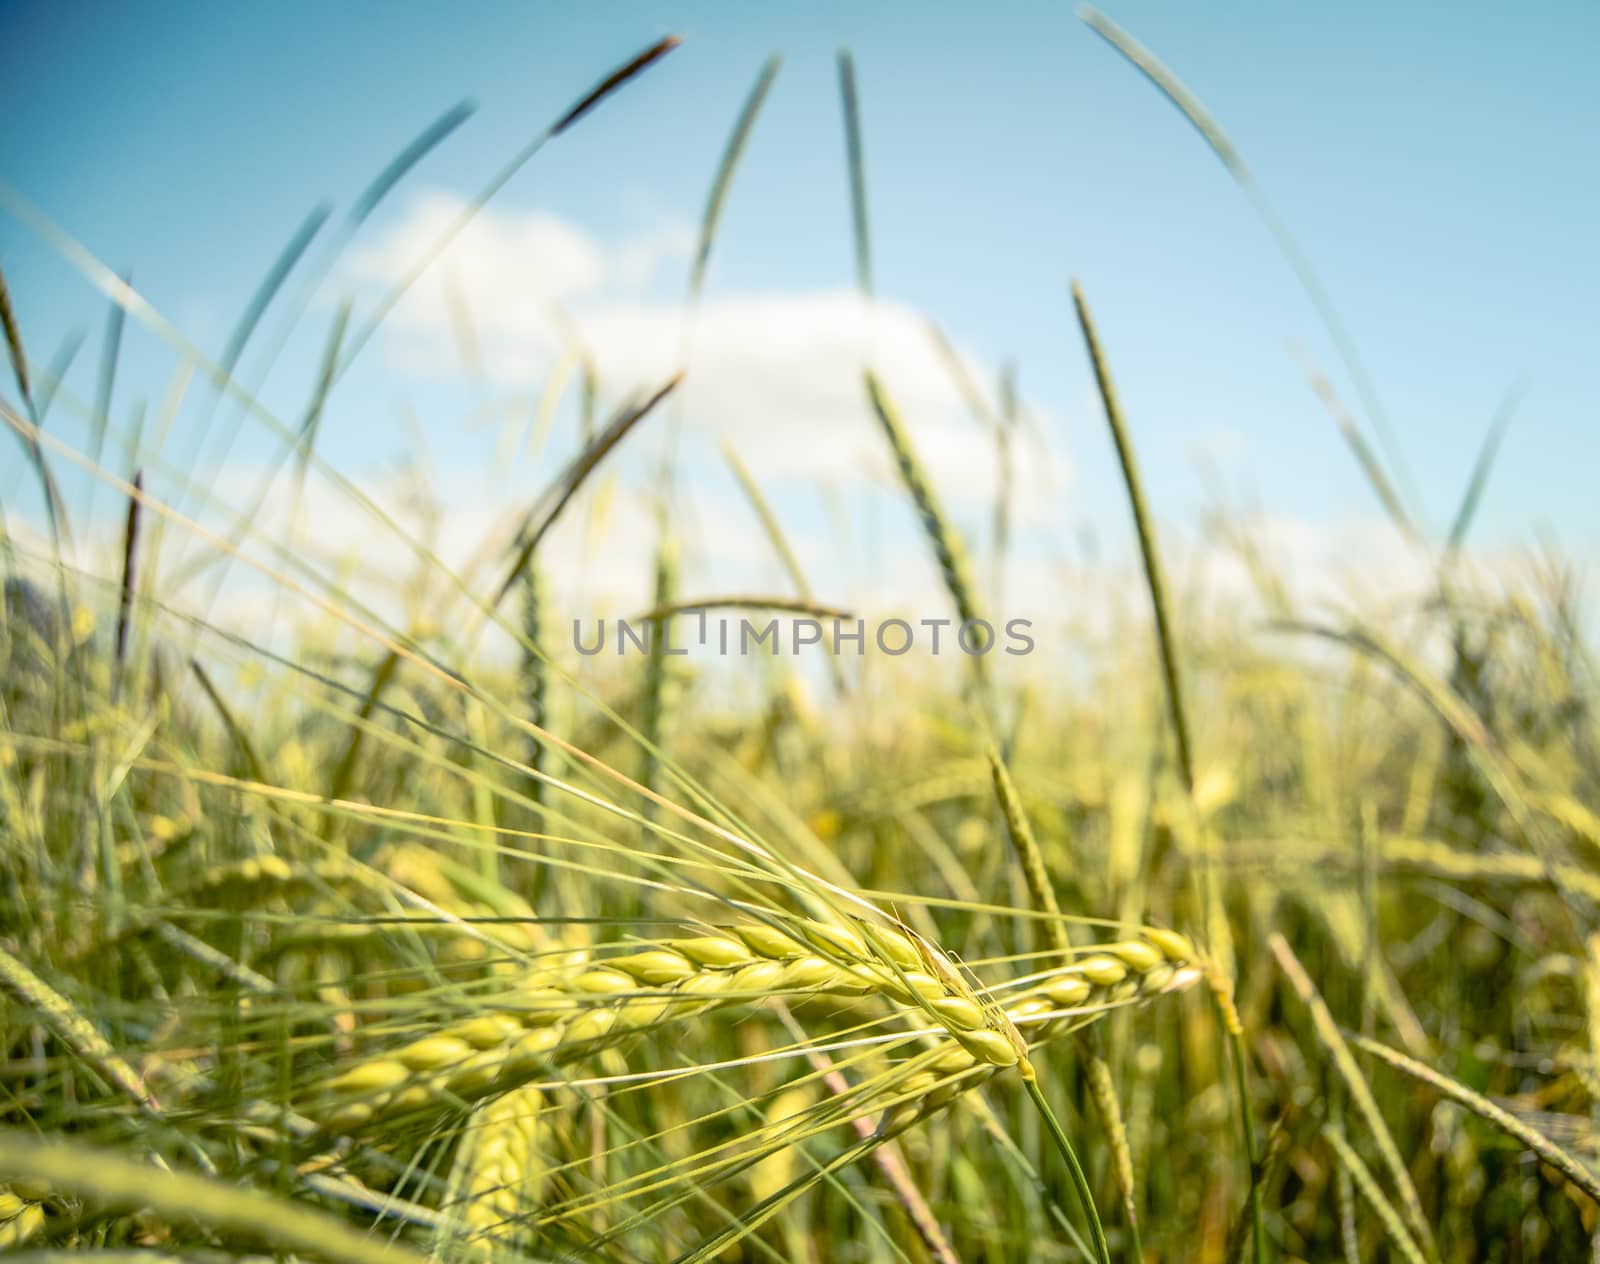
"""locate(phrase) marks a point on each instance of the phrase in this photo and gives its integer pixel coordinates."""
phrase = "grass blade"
(54, 507)
(110, 353)
(107, 1179)
(942, 536)
(423, 144)
(57, 370)
(1365, 457)
(850, 103)
(738, 139)
(573, 477)
(270, 284)
(616, 79)
(130, 544)
(1481, 469)
(1168, 84)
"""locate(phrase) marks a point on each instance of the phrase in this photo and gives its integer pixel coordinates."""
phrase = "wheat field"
(401, 930)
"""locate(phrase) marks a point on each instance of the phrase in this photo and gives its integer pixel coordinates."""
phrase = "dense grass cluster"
(1253, 943)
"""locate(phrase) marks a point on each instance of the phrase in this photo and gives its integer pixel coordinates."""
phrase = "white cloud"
(779, 374)
(505, 262)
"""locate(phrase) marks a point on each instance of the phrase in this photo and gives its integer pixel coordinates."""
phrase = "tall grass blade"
(54, 507)
(779, 541)
(942, 536)
(57, 370)
(616, 79)
(130, 545)
(1365, 457)
(1481, 469)
(1168, 84)
(108, 1180)
(398, 167)
(110, 354)
(236, 731)
(267, 289)
(738, 139)
(850, 104)
(573, 477)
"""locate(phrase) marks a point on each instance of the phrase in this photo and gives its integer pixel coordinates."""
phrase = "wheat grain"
(20, 1218)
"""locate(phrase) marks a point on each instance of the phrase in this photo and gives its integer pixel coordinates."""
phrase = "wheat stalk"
(657, 702)
(1102, 1083)
(536, 672)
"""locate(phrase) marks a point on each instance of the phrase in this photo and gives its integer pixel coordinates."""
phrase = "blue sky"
(1435, 162)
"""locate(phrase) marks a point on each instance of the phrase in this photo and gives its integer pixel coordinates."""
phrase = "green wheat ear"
(942, 536)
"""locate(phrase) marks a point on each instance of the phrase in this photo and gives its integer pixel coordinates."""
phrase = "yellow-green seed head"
(433, 1052)
(769, 943)
(1101, 970)
(958, 1013)
(370, 1077)
(1177, 947)
(658, 966)
(604, 981)
(1135, 953)
(714, 951)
